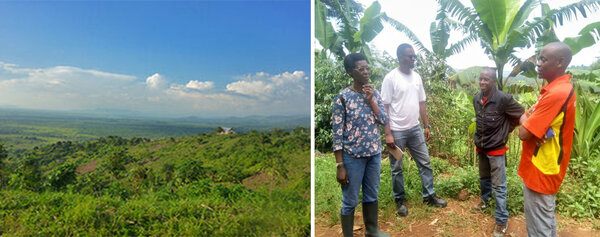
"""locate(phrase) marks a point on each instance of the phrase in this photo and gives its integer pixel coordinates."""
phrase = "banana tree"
(502, 27)
(587, 37)
(353, 33)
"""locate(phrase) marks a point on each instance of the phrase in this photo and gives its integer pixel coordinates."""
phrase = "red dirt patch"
(258, 180)
(88, 167)
(454, 220)
(154, 148)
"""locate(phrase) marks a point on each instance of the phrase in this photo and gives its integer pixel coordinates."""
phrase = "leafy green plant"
(587, 125)
(61, 176)
(353, 33)
(27, 174)
(503, 26)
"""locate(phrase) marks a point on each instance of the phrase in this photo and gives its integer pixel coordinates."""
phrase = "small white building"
(227, 131)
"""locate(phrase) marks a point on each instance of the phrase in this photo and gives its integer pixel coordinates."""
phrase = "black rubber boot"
(401, 209)
(347, 224)
(370, 219)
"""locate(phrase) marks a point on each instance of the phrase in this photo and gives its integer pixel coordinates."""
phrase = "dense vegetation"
(255, 184)
(449, 102)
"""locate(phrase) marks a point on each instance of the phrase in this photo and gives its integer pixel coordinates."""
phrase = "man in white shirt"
(404, 100)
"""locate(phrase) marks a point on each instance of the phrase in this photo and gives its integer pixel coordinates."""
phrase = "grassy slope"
(253, 184)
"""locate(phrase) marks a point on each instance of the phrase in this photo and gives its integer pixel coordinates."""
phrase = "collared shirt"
(355, 125)
(542, 171)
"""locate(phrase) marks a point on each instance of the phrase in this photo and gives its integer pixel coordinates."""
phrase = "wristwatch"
(337, 165)
(428, 127)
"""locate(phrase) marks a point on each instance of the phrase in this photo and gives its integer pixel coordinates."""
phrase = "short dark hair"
(351, 59)
(400, 49)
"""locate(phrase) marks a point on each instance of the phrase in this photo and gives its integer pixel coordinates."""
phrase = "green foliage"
(3, 156)
(587, 37)
(189, 170)
(131, 187)
(432, 68)
(115, 162)
(353, 33)
(61, 176)
(23, 130)
(580, 195)
(587, 124)
(330, 79)
(503, 26)
(26, 175)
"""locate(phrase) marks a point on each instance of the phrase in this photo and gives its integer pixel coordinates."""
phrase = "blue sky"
(174, 58)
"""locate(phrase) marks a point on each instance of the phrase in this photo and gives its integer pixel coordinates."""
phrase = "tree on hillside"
(115, 162)
(502, 27)
(61, 176)
(27, 174)
(3, 156)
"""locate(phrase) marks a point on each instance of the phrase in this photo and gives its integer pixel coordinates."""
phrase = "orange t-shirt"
(543, 167)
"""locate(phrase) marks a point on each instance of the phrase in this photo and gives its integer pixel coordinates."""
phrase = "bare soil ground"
(88, 167)
(455, 220)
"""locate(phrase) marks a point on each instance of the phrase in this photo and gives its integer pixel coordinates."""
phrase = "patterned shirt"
(355, 125)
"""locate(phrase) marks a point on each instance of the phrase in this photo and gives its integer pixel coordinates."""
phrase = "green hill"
(238, 184)
(25, 129)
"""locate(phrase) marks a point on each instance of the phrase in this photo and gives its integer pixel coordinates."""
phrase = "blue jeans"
(414, 139)
(492, 173)
(363, 172)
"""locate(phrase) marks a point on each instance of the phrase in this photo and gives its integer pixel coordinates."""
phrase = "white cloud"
(72, 88)
(156, 81)
(200, 85)
(282, 87)
(252, 88)
(64, 87)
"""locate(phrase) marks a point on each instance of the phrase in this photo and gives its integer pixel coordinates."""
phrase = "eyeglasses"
(362, 69)
(413, 56)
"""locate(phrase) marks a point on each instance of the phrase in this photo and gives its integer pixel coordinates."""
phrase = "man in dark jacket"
(497, 114)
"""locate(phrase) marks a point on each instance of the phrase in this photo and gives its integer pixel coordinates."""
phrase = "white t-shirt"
(402, 93)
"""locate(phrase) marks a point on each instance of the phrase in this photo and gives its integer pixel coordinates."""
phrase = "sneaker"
(500, 230)
(480, 207)
(435, 201)
(401, 208)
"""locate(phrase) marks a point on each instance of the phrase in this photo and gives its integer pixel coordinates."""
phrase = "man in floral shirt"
(357, 111)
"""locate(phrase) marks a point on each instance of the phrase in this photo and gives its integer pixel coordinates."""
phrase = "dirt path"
(454, 220)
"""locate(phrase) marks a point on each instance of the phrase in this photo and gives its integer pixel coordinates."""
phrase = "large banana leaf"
(324, 31)
(439, 33)
(498, 16)
(370, 23)
(587, 37)
(468, 76)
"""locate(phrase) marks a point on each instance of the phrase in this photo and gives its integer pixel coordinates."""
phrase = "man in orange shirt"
(547, 134)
